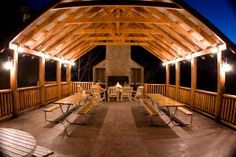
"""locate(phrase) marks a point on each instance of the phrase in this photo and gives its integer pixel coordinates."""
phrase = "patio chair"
(98, 93)
(126, 93)
(138, 94)
(113, 92)
(79, 89)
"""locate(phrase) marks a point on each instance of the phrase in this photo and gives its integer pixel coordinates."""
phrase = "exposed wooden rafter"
(71, 29)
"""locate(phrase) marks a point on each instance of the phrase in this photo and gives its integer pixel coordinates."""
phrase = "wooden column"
(42, 79)
(167, 79)
(220, 84)
(68, 77)
(177, 79)
(193, 80)
(59, 78)
(13, 82)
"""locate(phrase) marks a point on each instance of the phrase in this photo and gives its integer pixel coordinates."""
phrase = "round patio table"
(16, 143)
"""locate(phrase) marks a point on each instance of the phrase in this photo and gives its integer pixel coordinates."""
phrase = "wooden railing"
(155, 88)
(6, 104)
(205, 101)
(51, 92)
(184, 95)
(172, 91)
(28, 97)
(65, 89)
(228, 113)
(84, 85)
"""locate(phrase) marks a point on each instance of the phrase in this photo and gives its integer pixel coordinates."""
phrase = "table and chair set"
(18, 143)
(160, 104)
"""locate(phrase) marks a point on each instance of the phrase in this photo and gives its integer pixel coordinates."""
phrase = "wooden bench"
(186, 112)
(50, 109)
(149, 109)
(42, 152)
(85, 109)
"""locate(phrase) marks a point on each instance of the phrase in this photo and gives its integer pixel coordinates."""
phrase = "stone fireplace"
(118, 67)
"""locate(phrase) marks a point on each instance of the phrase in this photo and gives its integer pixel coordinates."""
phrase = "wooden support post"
(177, 79)
(167, 79)
(42, 79)
(220, 84)
(193, 80)
(13, 82)
(68, 77)
(59, 78)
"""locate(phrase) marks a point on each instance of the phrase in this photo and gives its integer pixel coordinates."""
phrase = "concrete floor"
(120, 130)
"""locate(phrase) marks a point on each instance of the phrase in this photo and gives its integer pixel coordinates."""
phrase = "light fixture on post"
(8, 65)
(226, 67)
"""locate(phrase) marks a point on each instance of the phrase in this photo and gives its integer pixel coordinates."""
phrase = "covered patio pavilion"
(168, 29)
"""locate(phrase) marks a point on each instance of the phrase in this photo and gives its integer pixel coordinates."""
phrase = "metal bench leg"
(149, 116)
(45, 116)
(86, 119)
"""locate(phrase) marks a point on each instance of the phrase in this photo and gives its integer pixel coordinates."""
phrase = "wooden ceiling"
(72, 28)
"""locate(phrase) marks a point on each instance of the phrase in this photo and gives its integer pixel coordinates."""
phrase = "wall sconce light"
(19, 50)
(163, 64)
(72, 63)
(9, 64)
(226, 67)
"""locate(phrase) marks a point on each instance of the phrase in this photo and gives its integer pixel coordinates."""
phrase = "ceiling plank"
(40, 27)
(103, 3)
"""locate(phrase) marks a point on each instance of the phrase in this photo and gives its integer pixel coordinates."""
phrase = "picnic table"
(71, 100)
(165, 102)
(16, 143)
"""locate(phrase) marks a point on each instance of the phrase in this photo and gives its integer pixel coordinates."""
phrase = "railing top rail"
(229, 96)
(49, 85)
(187, 88)
(153, 84)
(206, 92)
(28, 88)
(64, 83)
(5, 90)
(172, 86)
(81, 82)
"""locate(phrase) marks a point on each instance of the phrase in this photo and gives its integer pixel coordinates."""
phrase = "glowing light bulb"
(227, 67)
(8, 65)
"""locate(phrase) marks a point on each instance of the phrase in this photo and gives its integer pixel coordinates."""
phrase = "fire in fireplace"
(112, 80)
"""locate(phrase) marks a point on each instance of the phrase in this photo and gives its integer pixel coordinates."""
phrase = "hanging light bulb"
(8, 65)
(226, 67)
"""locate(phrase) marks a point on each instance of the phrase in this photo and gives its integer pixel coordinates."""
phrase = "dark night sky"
(221, 13)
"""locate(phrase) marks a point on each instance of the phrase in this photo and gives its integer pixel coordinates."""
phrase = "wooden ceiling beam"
(128, 30)
(71, 46)
(118, 43)
(175, 26)
(161, 51)
(58, 26)
(193, 26)
(104, 3)
(169, 45)
(114, 20)
(170, 38)
(153, 53)
(83, 52)
(56, 38)
(78, 51)
(174, 53)
(171, 32)
(39, 27)
(118, 38)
